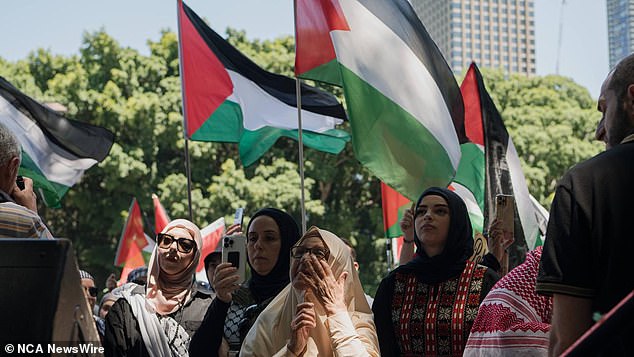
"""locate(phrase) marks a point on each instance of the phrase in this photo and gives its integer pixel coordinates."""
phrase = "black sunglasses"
(298, 252)
(92, 291)
(184, 245)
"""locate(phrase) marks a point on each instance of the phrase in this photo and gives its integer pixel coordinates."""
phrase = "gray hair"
(9, 145)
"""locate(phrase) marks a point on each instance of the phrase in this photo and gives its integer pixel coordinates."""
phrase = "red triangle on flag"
(132, 239)
(211, 237)
(199, 68)
(161, 219)
(314, 20)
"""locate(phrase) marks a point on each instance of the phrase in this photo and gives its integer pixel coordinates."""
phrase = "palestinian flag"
(161, 219)
(228, 98)
(55, 151)
(401, 95)
(500, 167)
(394, 205)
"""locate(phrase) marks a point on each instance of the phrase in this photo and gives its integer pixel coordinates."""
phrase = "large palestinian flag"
(496, 167)
(228, 98)
(55, 151)
(401, 95)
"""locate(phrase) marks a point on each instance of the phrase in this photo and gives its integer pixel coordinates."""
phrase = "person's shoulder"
(605, 159)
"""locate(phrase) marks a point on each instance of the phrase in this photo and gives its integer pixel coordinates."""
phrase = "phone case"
(505, 211)
(234, 251)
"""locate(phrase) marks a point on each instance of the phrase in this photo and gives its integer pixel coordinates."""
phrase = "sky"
(59, 25)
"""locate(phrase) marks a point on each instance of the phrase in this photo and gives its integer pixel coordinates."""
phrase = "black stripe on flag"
(414, 34)
(497, 171)
(80, 139)
(281, 87)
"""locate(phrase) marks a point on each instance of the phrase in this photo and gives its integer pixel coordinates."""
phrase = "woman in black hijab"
(270, 235)
(428, 305)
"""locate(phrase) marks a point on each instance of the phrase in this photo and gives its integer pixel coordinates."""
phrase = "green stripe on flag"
(470, 173)
(327, 73)
(224, 125)
(392, 143)
(395, 230)
(51, 192)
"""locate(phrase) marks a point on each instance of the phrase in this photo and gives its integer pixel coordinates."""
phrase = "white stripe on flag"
(56, 164)
(257, 106)
(525, 208)
(401, 76)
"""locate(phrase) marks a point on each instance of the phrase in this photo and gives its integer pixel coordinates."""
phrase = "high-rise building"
(493, 33)
(620, 29)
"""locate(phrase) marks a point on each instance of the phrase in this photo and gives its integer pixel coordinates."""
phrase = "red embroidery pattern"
(435, 320)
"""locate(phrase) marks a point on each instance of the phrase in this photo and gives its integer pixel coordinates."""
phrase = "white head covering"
(166, 292)
(272, 331)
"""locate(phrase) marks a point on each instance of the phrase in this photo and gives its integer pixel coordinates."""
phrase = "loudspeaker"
(41, 297)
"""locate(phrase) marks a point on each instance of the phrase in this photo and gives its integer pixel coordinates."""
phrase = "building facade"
(493, 33)
(620, 29)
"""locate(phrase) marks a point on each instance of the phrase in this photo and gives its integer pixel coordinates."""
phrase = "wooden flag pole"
(187, 163)
(298, 93)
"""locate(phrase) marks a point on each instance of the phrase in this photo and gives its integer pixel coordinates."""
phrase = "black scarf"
(263, 287)
(458, 247)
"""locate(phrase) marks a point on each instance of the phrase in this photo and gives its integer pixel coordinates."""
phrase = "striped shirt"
(20, 222)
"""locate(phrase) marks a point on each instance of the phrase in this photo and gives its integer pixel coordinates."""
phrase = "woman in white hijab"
(323, 312)
(161, 321)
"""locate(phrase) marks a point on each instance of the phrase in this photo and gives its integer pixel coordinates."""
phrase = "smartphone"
(505, 211)
(239, 216)
(20, 182)
(234, 251)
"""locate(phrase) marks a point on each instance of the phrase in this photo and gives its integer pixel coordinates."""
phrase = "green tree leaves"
(551, 120)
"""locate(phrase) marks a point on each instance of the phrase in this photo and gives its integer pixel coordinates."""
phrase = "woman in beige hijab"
(323, 312)
(161, 321)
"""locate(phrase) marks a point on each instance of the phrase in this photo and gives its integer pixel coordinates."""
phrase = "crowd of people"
(304, 297)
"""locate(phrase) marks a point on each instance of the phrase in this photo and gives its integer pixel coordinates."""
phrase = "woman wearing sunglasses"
(161, 321)
(270, 235)
(323, 312)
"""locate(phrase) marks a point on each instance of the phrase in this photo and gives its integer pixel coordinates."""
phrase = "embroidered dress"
(436, 319)
(427, 307)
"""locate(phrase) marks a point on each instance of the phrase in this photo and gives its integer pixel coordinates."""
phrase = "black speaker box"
(41, 297)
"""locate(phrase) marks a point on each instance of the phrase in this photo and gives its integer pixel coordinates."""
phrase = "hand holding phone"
(234, 252)
(20, 182)
(502, 229)
(505, 212)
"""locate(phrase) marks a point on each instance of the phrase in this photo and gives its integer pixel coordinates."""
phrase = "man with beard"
(586, 259)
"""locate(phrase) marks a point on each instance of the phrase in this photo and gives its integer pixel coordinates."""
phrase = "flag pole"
(180, 72)
(298, 83)
(298, 94)
(189, 177)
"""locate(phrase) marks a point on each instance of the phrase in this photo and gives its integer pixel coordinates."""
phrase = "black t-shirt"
(589, 244)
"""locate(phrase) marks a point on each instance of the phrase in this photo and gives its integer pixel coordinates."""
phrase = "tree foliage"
(550, 119)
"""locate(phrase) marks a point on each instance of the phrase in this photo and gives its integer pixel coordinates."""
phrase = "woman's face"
(431, 222)
(263, 244)
(105, 308)
(171, 259)
(300, 264)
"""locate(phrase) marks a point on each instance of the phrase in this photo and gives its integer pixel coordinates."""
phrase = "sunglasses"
(298, 252)
(92, 291)
(184, 245)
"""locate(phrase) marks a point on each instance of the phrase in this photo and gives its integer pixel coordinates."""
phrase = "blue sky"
(58, 25)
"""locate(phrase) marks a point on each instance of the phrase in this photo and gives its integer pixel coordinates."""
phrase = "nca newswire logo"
(52, 348)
